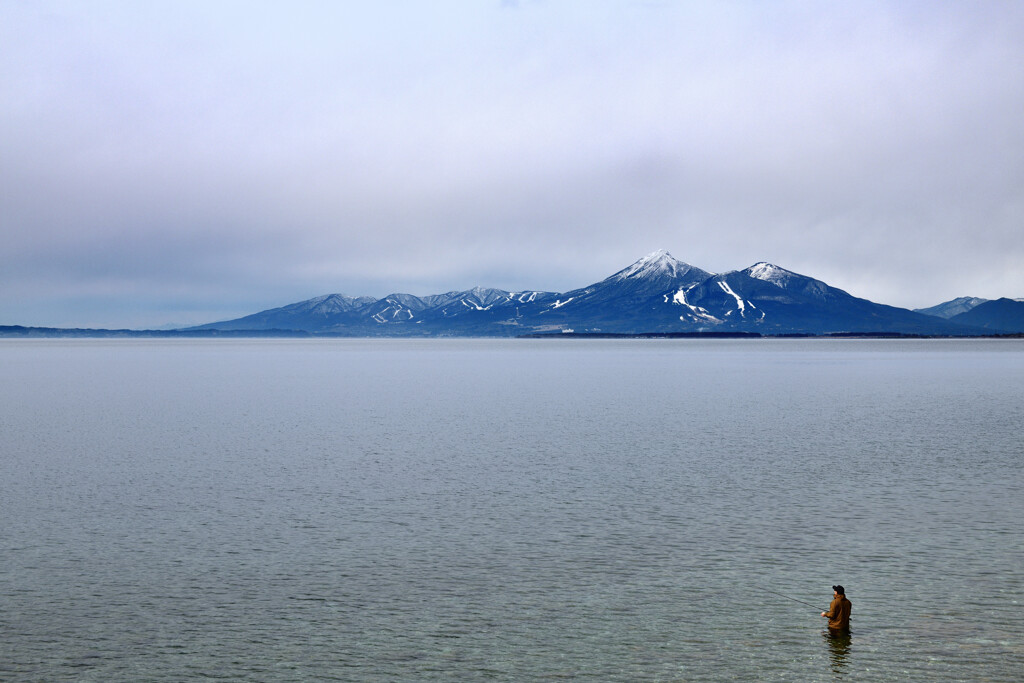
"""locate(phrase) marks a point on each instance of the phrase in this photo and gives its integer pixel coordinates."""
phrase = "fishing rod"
(793, 599)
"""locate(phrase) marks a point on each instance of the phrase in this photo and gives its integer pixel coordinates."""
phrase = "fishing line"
(793, 599)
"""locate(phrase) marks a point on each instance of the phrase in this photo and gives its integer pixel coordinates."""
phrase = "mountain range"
(657, 294)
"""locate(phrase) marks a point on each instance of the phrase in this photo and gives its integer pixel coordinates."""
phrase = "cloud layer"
(186, 162)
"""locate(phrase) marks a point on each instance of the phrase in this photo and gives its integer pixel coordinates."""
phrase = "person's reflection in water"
(839, 641)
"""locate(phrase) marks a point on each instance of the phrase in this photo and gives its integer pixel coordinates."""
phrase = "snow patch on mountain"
(391, 313)
(696, 311)
(739, 300)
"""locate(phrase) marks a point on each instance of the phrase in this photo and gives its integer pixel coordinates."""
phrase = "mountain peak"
(769, 273)
(790, 281)
(657, 263)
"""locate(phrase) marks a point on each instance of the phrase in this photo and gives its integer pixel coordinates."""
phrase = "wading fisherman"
(838, 613)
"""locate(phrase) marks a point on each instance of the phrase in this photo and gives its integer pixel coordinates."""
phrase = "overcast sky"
(184, 162)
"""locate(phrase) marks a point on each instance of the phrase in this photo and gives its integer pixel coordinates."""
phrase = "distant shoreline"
(25, 332)
(758, 335)
(20, 331)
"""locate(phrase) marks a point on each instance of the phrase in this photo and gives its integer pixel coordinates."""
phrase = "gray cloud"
(193, 160)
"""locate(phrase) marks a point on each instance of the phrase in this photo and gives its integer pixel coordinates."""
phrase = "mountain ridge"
(655, 294)
(1000, 315)
(947, 309)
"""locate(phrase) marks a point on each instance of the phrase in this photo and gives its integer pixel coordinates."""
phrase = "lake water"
(510, 510)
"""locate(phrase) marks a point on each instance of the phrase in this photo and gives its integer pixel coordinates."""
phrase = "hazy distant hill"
(1000, 315)
(950, 308)
(657, 293)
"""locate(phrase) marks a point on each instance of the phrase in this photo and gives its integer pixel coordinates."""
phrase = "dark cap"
(839, 589)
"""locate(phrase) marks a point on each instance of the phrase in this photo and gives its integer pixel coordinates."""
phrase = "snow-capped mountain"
(772, 300)
(657, 293)
(633, 298)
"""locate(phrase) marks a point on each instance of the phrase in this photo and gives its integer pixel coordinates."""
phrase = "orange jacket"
(839, 613)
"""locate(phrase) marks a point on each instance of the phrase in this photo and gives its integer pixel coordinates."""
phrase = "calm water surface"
(522, 510)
